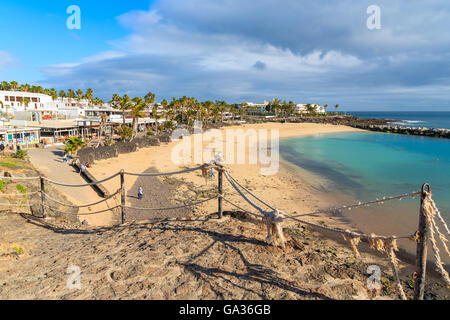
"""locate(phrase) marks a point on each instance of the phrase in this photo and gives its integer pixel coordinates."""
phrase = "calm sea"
(369, 165)
(410, 119)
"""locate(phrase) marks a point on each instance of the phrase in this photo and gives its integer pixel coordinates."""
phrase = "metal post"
(44, 209)
(122, 194)
(220, 191)
(421, 255)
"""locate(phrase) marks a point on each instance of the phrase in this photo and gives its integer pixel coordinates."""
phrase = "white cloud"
(295, 50)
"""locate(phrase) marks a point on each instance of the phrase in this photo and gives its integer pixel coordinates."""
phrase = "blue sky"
(238, 50)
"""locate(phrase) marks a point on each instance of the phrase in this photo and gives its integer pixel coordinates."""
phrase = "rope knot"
(275, 216)
(274, 219)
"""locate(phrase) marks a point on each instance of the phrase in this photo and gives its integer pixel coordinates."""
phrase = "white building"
(301, 108)
(15, 100)
(37, 106)
(255, 108)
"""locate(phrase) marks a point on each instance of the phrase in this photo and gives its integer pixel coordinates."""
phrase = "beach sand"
(290, 189)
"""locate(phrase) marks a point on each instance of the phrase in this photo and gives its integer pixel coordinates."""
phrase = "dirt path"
(49, 162)
(196, 258)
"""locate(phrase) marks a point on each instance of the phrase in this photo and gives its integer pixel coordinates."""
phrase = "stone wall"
(90, 155)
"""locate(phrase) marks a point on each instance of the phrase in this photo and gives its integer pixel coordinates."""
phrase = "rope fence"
(428, 228)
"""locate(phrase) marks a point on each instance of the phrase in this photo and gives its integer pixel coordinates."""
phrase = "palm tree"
(79, 96)
(243, 111)
(89, 94)
(156, 116)
(62, 94)
(5, 85)
(125, 105)
(137, 111)
(53, 94)
(97, 102)
(70, 95)
(336, 107)
(14, 85)
(311, 109)
(115, 100)
(150, 98)
(25, 87)
(26, 102)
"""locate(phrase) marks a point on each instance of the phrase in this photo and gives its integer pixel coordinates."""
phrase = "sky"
(236, 50)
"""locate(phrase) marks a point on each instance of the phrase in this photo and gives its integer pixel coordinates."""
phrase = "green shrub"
(73, 145)
(21, 188)
(3, 183)
(10, 165)
(20, 154)
(125, 132)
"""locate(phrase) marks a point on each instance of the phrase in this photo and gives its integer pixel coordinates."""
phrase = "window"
(34, 99)
(12, 99)
(19, 99)
(6, 98)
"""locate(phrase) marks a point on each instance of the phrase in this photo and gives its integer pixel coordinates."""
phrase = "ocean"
(364, 166)
(410, 118)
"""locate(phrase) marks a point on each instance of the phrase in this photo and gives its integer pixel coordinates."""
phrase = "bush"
(20, 154)
(73, 145)
(21, 188)
(125, 133)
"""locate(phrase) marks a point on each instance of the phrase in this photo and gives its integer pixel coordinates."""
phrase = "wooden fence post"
(421, 255)
(44, 209)
(220, 191)
(122, 194)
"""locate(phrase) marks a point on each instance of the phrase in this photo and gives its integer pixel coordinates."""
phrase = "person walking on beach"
(82, 168)
(64, 159)
(140, 193)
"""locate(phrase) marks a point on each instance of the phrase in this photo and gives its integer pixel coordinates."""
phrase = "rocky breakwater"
(421, 131)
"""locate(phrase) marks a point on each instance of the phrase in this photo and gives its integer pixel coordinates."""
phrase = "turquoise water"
(369, 165)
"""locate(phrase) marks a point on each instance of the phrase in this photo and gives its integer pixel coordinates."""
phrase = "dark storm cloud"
(297, 50)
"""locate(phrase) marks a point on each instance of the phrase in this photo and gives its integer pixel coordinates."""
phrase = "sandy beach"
(287, 189)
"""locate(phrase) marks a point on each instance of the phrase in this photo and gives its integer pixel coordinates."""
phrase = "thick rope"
(249, 192)
(169, 208)
(82, 214)
(358, 205)
(82, 185)
(249, 212)
(438, 214)
(429, 214)
(164, 173)
(81, 206)
(390, 247)
(242, 194)
(352, 233)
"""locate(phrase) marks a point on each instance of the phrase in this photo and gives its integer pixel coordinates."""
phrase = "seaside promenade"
(49, 162)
